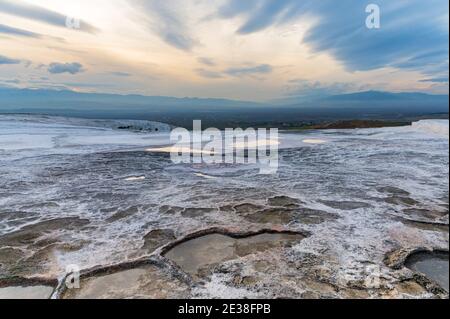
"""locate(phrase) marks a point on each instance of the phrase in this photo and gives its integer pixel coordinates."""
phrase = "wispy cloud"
(33, 12)
(209, 74)
(206, 61)
(18, 32)
(436, 80)
(58, 68)
(165, 20)
(249, 70)
(122, 74)
(237, 72)
(6, 60)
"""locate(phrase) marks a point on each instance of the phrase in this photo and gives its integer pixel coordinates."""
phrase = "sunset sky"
(239, 49)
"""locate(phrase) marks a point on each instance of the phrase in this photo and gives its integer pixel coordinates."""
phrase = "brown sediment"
(230, 232)
(42, 288)
(150, 276)
(155, 268)
(192, 253)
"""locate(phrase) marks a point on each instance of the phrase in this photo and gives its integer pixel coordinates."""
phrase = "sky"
(238, 49)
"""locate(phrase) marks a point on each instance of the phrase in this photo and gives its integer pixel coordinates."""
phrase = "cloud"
(259, 14)
(436, 80)
(249, 70)
(206, 61)
(8, 30)
(209, 74)
(242, 71)
(33, 12)
(19, 32)
(58, 68)
(413, 34)
(165, 20)
(123, 74)
(6, 60)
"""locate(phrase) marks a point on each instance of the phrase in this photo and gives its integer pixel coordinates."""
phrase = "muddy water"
(199, 253)
(434, 265)
(32, 292)
(146, 282)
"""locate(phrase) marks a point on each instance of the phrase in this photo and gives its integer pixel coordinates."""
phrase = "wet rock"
(396, 258)
(317, 289)
(346, 205)
(283, 216)
(417, 213)
(157, 238)
(29, 234)
(31, 250)
(196, 212)
(284, 201)
(226, 208)
(393, 191)
(280, 216)
(10, 256)
(429, 226)
(313, 217)
(355, 293)
(170, 210)
(121, 214)
(401, 201)
(247, 208)
(109, 209)
(408, 288)
(245, 281)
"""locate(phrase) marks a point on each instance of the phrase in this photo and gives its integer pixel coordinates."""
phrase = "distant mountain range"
(45, 98)
(220, 112)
